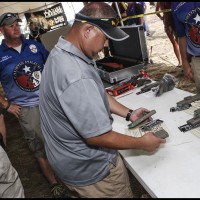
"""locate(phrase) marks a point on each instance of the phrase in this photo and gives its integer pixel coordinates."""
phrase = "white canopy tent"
(21, 7)
(70, 8)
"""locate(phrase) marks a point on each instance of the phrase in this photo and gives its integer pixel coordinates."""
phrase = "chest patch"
(193, 24)
(27, 75)
(33, 48)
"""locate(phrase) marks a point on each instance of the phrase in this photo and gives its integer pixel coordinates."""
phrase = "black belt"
(192, 55)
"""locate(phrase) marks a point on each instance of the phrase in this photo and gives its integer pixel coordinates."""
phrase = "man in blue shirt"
(144, 8)
(187, 21)
(21, 65)
(134, 8)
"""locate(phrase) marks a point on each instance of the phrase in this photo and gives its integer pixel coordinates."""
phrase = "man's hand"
(188, 71)
(136, 114)
(14, 109)
(150, 142)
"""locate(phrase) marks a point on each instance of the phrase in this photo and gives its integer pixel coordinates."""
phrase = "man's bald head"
(104, 17)
(98, 10)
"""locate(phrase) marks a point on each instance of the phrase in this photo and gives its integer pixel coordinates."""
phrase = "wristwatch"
(129, 115)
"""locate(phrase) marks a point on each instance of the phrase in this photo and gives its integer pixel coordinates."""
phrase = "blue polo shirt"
(20, 73)
(134, 9)
(187, 21)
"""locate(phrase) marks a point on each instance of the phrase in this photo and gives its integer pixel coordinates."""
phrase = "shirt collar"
(4, 45)
(69, 47)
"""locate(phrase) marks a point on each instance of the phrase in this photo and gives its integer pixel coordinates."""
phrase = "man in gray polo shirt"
(76, 111)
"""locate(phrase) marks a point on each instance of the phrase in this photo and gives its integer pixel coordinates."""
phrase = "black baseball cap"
(9, 18)
(107, 25)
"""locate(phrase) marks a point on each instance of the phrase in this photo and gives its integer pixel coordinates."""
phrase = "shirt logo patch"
(33, 48)
(193, 25)
(27, 75)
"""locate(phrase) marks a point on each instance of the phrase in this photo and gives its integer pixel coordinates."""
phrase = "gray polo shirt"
(73, 106)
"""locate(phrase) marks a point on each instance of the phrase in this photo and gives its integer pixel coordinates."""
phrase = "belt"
(191, 56)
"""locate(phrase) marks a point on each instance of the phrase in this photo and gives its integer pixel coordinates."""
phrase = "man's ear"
(1, 29)
(87, 29)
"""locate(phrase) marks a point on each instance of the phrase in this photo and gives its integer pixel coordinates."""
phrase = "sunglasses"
(114, 21)
(7, 16)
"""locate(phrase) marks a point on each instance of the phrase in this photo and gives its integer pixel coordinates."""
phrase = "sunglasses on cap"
(103, 21)
(7, 16)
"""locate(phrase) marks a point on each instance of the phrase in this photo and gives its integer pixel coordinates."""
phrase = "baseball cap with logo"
(107, 25)
(9, 18)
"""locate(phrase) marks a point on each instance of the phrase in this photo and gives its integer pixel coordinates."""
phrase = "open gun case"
(126, 58)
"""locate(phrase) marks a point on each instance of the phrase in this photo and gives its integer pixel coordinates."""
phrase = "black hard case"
(131, 52)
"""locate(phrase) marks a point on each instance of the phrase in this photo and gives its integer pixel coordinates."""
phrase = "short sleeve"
(86, 109)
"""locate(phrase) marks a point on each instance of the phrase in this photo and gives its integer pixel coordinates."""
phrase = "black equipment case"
(130, 55)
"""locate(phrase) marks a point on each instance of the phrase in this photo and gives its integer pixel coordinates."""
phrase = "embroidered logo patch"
(192, 21)
(27, 75)
(33, 48)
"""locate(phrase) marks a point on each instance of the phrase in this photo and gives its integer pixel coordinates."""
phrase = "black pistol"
(148, 87)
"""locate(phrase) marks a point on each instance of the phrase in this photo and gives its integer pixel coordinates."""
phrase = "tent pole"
(116, 4)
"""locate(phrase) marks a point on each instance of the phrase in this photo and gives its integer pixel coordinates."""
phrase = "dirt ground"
(164, 61)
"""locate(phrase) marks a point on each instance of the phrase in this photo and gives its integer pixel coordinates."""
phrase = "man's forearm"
(3, 128)
(116, 107)
(108, 140)
(183, 49)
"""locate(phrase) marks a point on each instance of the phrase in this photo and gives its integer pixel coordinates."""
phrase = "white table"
(173, 171)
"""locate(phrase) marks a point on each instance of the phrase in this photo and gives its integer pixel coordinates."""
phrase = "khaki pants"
(115, 185)
(195, 64)
(29, 120)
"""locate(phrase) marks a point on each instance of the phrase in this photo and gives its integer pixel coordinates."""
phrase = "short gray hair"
(98, 10)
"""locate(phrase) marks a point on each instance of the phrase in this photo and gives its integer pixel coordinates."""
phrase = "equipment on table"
(148, 87)
(185, 103)
(129, 84)
(191, 123)
(166, 84)
(141, 119)
(126, 58)
(161, 134)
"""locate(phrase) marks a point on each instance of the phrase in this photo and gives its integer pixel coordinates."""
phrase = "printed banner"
(48, 19)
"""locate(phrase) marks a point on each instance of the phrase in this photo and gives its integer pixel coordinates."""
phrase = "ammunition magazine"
(141, 119)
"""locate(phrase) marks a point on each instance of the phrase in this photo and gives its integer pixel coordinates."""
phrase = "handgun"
(141, 119)
(191, 124)
(148, 87)
(185, 103)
